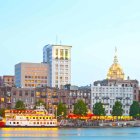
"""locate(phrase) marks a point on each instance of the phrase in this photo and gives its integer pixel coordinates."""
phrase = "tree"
(98, 109)
(80, 108)
(2, 112)
(134, 109)
(19, 105)
(117, 109)
(40, 102)
(61, 110)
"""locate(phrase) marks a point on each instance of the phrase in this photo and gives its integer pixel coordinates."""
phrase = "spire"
(115, 57)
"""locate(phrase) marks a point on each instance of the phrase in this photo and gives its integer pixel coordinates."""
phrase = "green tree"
(2, 112)
(98, 109)
(40, 102)
(20, 105)
(61, 110)
(117, 109)
(80, 108)
(134, 109)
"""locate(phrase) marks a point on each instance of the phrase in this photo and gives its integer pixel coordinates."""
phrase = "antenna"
(60, 42)
(56, 39)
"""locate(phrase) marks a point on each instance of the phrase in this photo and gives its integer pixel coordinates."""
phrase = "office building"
(59, 59)
(31, 75)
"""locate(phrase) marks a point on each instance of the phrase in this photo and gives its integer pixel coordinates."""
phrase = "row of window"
(48, 123)
(36, 77)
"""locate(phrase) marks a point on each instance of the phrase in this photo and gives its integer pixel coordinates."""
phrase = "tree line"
(80, 108)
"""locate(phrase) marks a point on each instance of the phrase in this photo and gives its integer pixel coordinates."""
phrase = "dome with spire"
(115, 72)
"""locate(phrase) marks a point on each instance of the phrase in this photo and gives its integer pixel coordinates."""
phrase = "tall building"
(108, 95)
(31, 75)
(59, 59)
(9, 80)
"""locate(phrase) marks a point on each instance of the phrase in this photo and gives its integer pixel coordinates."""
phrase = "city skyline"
(92, 28)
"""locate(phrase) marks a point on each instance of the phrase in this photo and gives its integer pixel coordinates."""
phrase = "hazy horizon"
(93, 29)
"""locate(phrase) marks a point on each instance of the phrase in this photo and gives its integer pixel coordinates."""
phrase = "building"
(49, 96)
(59, 59)
(5, 97)
(116, 77)
(1, 81)
(78, 94)
(31, 75)
(108, 95)
(9, 80)
(27, 95)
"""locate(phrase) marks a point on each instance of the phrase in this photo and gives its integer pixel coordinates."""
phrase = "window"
(26, 93)
(20, 93)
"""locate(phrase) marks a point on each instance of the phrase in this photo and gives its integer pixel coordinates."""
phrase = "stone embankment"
(98, 124)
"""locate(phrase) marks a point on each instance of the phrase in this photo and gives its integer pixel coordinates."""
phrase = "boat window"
(34, 122)
(50, 122)
(40, 122)
(40, 117)
(36, 117)
(33, 117)
(10, 122)
(44, 122)
(46, 117)
(47, 122)
(43, 117)
(37, 122)
(17, 122)
(27, 117)
(13, 122)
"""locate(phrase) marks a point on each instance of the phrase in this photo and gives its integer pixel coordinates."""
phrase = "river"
(70, 133)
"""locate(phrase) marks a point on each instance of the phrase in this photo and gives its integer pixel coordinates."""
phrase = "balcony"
(55, 103)
(43, 96)
(119, 98)
(54, 96)
(105, 98)
(96, 97)
(127, 104)
(105, 103)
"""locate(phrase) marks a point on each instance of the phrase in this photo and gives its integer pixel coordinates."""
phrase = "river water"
(70, 133)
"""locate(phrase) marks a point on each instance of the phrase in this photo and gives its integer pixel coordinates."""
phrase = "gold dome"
(115, 71)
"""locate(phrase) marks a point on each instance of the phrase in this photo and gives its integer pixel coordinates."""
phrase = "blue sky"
(92, 27)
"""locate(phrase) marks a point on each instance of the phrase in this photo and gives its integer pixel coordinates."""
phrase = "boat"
(30, 118)
(2, 123)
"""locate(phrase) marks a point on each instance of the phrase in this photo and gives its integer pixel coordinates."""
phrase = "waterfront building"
(1, 81)
(59, 59)
(27, 95)
(116, 77)
(31, 75)
(74, 94)
(109, 94)
(9, 80)
(49, 96)
(5, 97)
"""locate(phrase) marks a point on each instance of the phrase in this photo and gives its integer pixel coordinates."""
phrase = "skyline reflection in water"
(70, 133)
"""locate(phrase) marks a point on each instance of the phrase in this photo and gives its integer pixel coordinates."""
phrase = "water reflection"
(29, 132)
(69, 134)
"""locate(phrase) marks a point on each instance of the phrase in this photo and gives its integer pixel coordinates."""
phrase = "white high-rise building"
(108, 95)
(59, 59)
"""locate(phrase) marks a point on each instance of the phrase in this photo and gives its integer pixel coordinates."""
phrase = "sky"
(92, 27)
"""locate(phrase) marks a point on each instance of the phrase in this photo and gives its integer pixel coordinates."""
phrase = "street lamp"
(56, 112)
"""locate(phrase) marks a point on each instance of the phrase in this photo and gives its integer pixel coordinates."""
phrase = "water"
(69, 133)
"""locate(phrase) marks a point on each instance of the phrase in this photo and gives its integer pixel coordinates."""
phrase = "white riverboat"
(30, 118)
